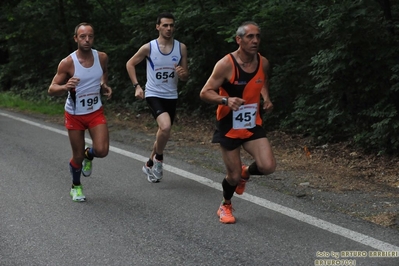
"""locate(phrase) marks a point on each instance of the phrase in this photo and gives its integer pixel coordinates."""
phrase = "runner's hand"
(267, 106)
(139, 94)
(107, 91)
(181, 73)
(234, 103)
(72, 83)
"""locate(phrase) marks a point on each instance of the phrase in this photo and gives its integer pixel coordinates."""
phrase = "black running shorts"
(232, 144)
(160, 105)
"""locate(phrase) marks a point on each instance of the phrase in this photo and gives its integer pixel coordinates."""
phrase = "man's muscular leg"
(232, 161)
(100, 137)
(163, 134)
(265, 162)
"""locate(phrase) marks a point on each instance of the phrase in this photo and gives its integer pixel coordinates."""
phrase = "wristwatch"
(224, 101)
(135, 85)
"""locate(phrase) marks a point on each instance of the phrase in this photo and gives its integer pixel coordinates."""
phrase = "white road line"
(330, 227)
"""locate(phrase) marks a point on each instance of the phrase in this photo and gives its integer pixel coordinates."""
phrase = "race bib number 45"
(245, 117)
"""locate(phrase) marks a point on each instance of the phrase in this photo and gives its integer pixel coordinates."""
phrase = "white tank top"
(161, 75)
(86, 98)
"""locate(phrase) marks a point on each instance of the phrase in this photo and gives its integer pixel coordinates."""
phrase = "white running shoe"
(157, 169)
(147, 171)
(77, 194)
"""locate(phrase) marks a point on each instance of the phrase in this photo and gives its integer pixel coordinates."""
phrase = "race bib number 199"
(245, 117)
(88, 102)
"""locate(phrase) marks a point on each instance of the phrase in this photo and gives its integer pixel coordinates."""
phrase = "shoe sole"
(86, 175)
(149, 178)
(78, 200)
(227, 222)
(157, 177)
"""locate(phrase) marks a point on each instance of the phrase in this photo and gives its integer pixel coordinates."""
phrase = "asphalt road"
(129, 221)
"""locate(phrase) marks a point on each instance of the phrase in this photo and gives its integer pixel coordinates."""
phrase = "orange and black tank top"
(246, 86)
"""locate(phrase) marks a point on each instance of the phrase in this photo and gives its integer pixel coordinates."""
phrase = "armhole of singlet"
(74, 59)
(73, 55)
(151, 44)
(260, 66)
(235, 75)
(97, 57)
(181, 56)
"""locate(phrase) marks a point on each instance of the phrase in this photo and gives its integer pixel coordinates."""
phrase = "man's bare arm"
(62, 81)
(182, 68)
(105, 89)
(267, 104)
(221, 72)
(139, 56)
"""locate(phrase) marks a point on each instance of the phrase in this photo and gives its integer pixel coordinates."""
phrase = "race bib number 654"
(164, 75)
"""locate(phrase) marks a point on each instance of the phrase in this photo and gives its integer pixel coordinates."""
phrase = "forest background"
(334, 64)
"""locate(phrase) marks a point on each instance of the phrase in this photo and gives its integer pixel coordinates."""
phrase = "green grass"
(9, 100)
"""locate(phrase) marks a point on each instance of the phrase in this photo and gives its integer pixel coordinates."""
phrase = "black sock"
(159, 157)
(253, 169)
(228, 190)
(75, 174)
(150, 163)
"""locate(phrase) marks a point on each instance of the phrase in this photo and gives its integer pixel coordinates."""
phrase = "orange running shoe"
(225, 213)
(244, 178)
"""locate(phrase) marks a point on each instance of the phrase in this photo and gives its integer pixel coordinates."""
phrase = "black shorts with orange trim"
(232, 144)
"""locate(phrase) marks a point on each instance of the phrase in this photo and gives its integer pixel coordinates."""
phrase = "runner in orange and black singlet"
(234, 128)
(236, 84)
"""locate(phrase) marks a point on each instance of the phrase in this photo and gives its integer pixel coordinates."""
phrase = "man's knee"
(267, 168)
(165, 129)
(233, 178)
(101, 152)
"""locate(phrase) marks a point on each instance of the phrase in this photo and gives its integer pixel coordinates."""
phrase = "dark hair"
(241, 30)
(82, 24)
(164, 15)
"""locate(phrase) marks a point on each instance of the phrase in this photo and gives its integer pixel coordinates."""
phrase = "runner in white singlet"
(166, 64)
(84, 76)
